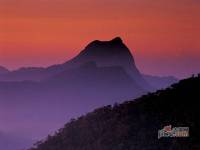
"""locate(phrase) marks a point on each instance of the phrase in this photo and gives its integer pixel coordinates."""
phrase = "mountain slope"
(134, 125)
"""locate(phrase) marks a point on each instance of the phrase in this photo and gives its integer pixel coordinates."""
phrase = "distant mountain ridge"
(104, 53)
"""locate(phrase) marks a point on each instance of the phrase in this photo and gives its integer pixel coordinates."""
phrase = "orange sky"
(162, 34)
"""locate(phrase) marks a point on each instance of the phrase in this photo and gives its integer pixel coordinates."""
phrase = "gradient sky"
(163, 35)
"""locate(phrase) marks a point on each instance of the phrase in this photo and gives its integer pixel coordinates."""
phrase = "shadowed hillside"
(134, 125)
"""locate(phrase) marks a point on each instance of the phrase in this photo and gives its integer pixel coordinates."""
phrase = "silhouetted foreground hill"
(134, 125)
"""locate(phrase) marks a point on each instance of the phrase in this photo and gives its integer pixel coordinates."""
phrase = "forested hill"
(134, 125)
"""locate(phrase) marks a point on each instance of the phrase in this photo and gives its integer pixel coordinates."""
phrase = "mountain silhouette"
(112, 53)
(134, 125)
(104, 53)
(3, 70)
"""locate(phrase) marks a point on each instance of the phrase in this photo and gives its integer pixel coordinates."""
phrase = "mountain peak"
(112, 53)
(112, 49)
(117, 39)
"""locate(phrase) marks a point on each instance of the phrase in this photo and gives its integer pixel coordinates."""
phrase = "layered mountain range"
(103, 53)
(40, 100)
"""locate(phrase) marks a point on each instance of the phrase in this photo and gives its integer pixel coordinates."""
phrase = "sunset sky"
(163, 35)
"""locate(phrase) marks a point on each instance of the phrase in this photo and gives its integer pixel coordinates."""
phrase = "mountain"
(134, 125)
(104, 53)
(112, 53)
(3, 70)
(37, 101)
